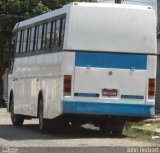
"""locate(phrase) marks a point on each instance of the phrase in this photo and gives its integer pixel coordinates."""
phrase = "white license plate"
(109, 92)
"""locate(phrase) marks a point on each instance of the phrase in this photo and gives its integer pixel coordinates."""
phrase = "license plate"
(109, 92)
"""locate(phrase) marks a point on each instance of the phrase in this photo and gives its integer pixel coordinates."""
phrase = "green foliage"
(11, 12)
(9, 6)
(23, 8)
(59, 3)
(40, 8)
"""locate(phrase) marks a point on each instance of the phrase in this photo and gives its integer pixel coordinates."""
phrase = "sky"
(152, 3)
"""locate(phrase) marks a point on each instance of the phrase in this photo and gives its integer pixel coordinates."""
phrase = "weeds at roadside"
(143, 131)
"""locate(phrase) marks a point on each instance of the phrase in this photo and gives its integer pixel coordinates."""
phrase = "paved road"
(77, 150)
(60, 141)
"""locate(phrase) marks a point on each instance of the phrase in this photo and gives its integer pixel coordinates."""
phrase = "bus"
(84, 63)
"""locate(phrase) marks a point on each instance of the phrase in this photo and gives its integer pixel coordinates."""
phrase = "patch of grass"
(142, 131)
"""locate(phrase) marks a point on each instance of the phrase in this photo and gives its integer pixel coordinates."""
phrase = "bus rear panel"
(118, 84)
(110, 61)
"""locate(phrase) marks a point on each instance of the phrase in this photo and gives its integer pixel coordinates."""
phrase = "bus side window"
(32, 39)
(36, 38)
(29, 39)
(25, 32)
(39, 37)
(48, 35)
(57, 33)
(52, 34)
(63, 21)
(44, 35)
(22, 40)
(18, 42)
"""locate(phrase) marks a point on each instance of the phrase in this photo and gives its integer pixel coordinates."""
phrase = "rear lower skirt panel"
(101, 108)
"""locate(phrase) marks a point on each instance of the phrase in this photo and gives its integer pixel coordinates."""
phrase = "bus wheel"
(17, 120)
(112, 127)
(104, 129)
(43, 123)
(119, 126)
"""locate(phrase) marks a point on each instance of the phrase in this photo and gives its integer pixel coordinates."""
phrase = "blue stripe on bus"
(111, 60)
(101, 108)
(86, 94)
(132, 97)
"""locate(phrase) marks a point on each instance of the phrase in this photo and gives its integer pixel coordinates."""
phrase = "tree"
(53, 4)
(11, 12)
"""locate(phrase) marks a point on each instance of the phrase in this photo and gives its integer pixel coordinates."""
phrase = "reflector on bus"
(151, 88)
(67, 85)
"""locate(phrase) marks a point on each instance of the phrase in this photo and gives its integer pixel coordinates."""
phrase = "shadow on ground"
(2, 104)
(31, 131)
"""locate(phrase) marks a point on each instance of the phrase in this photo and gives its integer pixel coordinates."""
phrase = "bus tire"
(119, 127)
(112, 127)
(43, 123)
(17, 120)
(104, 129)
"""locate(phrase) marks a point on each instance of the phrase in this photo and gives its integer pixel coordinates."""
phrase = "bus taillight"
(67, 85)
(151, 88)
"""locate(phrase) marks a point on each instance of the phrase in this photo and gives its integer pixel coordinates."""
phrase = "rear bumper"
(116, 109)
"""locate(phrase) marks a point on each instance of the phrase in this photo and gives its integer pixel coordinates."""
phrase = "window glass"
(18, 41)
(29, 39)
(57, 32)
(32, 39)
(24, 40)
(39, 39)
(44, 35)
(63, 20)
(52, 33)
(36, 38)
(48, 35)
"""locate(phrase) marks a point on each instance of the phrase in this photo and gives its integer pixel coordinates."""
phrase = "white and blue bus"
(84, 63)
